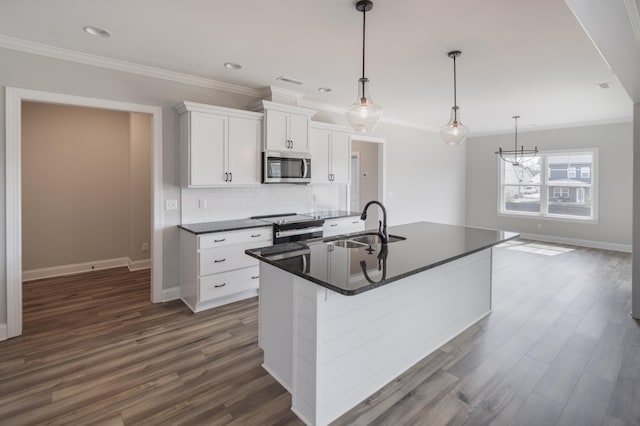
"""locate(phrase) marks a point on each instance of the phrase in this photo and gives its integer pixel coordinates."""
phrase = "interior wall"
(75, 185)
(635, 275)
(368, 179)
(614, 142)
(140, 139)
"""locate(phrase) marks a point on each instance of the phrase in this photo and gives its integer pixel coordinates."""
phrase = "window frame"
(544, 188)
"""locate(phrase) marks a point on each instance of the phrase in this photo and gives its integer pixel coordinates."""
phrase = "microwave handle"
(304, 168)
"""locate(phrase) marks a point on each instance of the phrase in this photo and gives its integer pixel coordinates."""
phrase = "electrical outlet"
(145, 246)
(171, 204)
(202, 203)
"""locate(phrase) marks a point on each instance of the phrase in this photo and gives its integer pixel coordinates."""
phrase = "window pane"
(522, 198)
(570, 200)
(571, 168)
(527, 173)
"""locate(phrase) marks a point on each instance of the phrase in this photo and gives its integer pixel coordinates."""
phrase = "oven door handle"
(299, 231)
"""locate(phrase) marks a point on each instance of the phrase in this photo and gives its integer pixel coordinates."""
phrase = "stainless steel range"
(290, 227)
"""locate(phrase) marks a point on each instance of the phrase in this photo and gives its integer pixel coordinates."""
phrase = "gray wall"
(635, 291)
(615, 182)
(425, 177)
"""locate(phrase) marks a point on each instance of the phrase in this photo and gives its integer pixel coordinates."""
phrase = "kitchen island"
(340, 319)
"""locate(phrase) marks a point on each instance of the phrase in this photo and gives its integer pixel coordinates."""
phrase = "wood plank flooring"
(559, 348)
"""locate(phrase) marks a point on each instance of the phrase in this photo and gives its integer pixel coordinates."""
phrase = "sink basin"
(372, 239)
(363, 240)
(346, 243)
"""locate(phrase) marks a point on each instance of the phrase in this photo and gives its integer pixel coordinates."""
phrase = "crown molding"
(621, 120)
(633, 9)
(114, 64)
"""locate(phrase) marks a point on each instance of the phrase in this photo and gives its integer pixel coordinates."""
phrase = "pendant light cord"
(364, 26)
(455, 102)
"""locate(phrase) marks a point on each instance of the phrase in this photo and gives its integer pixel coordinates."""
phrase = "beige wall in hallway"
(76, 185)
(368, 178)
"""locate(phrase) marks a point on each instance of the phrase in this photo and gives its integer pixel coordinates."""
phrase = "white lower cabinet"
(343, 225)
(214, 269)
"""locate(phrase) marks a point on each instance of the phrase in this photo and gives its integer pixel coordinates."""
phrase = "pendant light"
(363, 114)
(517, 156)
(454, 132)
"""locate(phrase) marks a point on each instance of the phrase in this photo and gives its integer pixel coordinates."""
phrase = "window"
(553, 185)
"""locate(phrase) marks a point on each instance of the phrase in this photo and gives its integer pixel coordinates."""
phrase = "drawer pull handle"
(220, 285)
(334, 224)
(219, 241)
(256, 277)
(219, 260)
(357, 221)
(255, 235)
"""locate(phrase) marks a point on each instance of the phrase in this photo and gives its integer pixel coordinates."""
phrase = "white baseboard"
(576, 242)
(137, 265)
(3, 332)
(57, 271)
(169, 294)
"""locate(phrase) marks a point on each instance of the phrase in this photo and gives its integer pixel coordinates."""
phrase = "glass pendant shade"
(363, 115)
(454, 132)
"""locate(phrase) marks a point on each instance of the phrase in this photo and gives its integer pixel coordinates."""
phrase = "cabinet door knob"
(220, 285)
(219, 260)
(219, 241)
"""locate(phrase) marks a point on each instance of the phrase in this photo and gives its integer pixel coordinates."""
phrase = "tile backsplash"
(213, 204)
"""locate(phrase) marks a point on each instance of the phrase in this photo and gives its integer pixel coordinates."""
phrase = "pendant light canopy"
(517, 156)
(363, 114)
(454, 132)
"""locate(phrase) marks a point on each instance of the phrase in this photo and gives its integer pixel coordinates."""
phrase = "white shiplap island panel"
(332, 351)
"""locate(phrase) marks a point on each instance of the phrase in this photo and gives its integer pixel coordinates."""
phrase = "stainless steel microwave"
(286, 167)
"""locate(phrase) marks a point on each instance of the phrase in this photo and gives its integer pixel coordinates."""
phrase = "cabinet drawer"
(226, 283)
(342, 226)
(215, 260)
(220, 239)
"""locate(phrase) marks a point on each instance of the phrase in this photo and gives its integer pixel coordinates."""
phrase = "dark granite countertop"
(223, 225)
(232, 225)
(350, 271)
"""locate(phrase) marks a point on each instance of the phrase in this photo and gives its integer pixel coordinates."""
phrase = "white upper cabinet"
(330, 153)
(219, 146)
(286, 127)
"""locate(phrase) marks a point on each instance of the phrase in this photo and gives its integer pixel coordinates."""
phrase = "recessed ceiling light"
(232, 66)
(95, 31)
(604, 85)
(324, 89)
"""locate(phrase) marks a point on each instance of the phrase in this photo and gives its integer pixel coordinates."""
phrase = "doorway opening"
(13, 164)
(367, 176)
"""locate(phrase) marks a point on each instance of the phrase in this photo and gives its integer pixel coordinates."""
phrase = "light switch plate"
(171, 204)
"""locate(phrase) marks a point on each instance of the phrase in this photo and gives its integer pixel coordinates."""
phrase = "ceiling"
(530, 58)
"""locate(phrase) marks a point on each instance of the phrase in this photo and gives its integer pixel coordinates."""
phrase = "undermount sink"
(346, 243)
(371, 239)
(360, 241)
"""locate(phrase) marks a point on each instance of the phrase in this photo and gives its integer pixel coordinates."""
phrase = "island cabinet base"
(332, 351)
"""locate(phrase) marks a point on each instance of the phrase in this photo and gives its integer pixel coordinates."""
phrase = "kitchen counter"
(426, 246)
(337, 324)
(223, 225)
(232, 225)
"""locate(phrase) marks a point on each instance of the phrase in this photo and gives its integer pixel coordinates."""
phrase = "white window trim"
(595, 171)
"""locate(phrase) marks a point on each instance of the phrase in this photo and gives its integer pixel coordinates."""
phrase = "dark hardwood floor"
(559, 348)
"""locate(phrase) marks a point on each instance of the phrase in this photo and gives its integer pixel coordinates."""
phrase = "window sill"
(553, 218)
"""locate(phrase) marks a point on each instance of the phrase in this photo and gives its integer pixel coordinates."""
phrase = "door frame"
(382, 165)
(13, 202)
(355, 178)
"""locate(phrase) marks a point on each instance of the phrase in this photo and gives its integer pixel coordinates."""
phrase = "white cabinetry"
(286, 127)
(343, 225)
(330, 153)
(219, 146)
(214, 270)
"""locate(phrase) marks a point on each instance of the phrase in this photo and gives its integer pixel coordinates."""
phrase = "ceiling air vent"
(289, 80)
